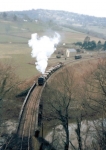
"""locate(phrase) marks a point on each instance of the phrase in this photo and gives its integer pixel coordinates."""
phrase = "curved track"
(28, 122)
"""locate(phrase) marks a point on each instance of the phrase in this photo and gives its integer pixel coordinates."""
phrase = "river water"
(88, 134)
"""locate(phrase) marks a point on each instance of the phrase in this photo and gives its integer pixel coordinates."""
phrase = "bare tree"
(95, 102)
(60, 99)
(4, 15)
(8, 85)
(9, 80)
(69, 97)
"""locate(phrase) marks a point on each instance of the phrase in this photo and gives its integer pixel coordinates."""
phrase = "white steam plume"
(42, 49)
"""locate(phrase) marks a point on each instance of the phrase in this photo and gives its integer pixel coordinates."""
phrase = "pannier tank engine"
(45, 76)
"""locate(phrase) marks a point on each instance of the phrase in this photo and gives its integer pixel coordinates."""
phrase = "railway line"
(28, 118)
(28, 122)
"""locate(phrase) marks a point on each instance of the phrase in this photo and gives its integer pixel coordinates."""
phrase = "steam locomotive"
(45, 76)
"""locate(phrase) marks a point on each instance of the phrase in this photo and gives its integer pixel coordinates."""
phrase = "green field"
(19, 55)
(14, 47)
(98, 29)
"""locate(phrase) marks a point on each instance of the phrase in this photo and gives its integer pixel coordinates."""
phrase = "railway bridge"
(30, 119)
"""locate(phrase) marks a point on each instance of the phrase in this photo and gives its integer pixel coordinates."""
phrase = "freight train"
(45, 76)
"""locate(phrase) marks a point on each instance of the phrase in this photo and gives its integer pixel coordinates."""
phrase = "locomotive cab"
(41, 80)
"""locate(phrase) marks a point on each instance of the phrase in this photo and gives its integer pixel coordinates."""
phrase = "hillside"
(95, 26)
(16, 29)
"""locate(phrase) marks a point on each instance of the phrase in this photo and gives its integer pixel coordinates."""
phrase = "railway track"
(28, 123)
(28, 119)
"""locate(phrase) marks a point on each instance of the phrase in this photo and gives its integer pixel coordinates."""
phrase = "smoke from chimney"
(42, 49)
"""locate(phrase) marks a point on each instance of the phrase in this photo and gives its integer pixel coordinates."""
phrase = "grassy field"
(97, 29)
(14, 47)
(18, 55)
(71, 37)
